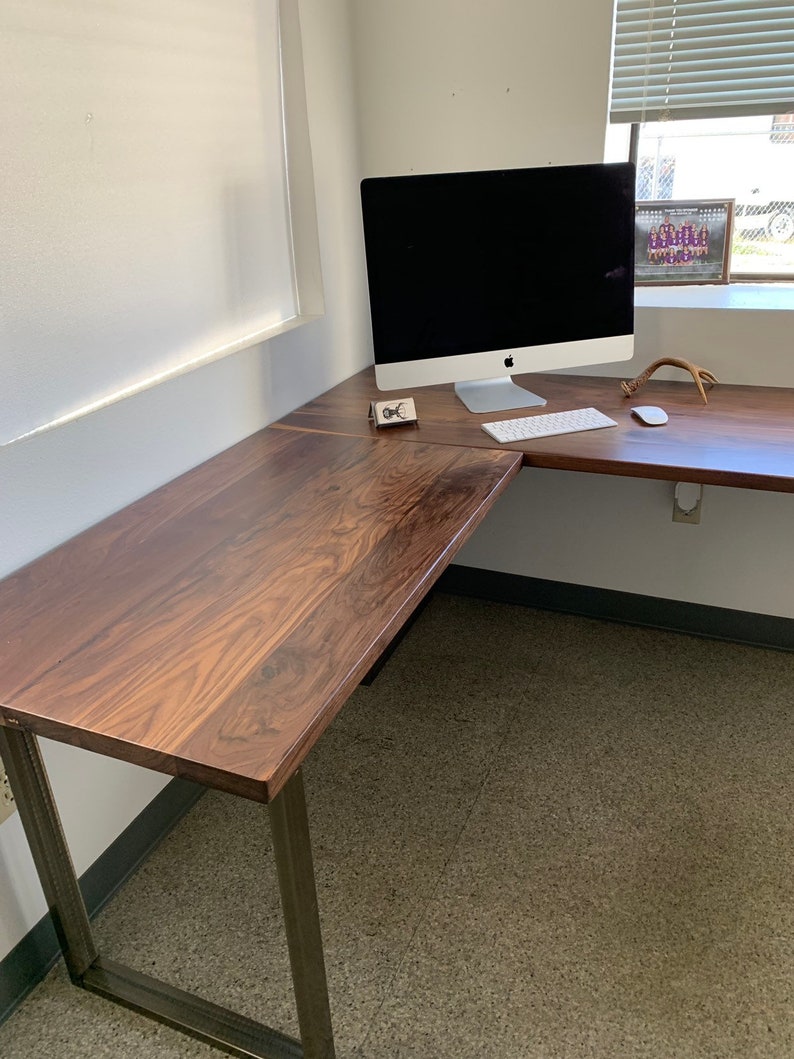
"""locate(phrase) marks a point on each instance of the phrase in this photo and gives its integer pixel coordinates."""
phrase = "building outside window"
(750, 160)
(703, 102)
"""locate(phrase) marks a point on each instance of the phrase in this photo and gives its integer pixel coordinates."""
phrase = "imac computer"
(474, 277)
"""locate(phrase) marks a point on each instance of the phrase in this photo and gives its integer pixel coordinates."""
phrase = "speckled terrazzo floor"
(536, 836)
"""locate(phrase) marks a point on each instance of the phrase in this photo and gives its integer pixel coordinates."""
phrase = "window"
(708, 89)
(750, 160)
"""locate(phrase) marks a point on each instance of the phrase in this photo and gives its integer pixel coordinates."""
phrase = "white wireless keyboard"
(528, 428)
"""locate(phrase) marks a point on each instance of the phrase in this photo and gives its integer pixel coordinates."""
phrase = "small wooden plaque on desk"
(393, 413)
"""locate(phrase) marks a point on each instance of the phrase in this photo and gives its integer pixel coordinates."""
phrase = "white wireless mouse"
(650, 415)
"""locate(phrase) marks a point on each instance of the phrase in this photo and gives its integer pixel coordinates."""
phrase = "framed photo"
(683, 241)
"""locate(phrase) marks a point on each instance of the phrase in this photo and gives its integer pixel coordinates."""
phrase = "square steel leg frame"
(224, 1029)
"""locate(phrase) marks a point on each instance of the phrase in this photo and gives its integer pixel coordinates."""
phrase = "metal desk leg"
(20, 752)
(292, 848)
(224, 1029)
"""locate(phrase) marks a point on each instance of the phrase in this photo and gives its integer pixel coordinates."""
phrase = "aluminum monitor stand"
(496, 395)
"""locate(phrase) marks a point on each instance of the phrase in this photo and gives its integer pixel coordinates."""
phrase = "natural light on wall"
(158, 212)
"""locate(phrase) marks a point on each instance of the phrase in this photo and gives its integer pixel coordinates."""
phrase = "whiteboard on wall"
(146, 222)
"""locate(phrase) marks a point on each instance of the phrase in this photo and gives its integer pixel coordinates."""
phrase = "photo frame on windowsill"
(682, 241)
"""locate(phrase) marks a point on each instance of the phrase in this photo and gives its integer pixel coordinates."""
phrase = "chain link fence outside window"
(750, 160)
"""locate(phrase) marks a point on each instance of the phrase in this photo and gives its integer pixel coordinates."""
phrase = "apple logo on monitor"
(508, 362)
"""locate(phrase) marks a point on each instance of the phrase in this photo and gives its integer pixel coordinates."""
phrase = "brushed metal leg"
(292, 848)
(39, 814)
(193, 1015)
(223, 1029)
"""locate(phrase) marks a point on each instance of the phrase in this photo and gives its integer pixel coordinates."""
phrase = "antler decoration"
(699, 374)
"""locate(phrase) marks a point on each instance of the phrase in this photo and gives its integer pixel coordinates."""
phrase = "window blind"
(702, 59)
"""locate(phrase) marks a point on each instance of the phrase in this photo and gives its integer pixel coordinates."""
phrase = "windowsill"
(754, 296)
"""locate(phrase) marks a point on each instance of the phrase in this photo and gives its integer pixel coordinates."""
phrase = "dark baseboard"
(719, 623)
(29, 961)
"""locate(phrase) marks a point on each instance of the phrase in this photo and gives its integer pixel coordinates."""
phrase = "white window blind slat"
(702, 58)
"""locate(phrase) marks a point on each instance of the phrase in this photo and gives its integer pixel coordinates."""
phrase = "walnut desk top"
(743, 437)
(214, 628)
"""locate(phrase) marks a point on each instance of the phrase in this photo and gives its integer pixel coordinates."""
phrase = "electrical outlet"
(7, 804)
(687, 502)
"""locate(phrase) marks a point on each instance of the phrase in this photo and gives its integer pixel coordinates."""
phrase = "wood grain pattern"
(744, 437)
(213, 629)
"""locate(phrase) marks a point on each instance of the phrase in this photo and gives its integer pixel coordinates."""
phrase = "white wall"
(451, 84)
(58, 483)
(433, 96)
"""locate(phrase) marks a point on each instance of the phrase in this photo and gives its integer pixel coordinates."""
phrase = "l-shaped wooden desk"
(213, 629)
